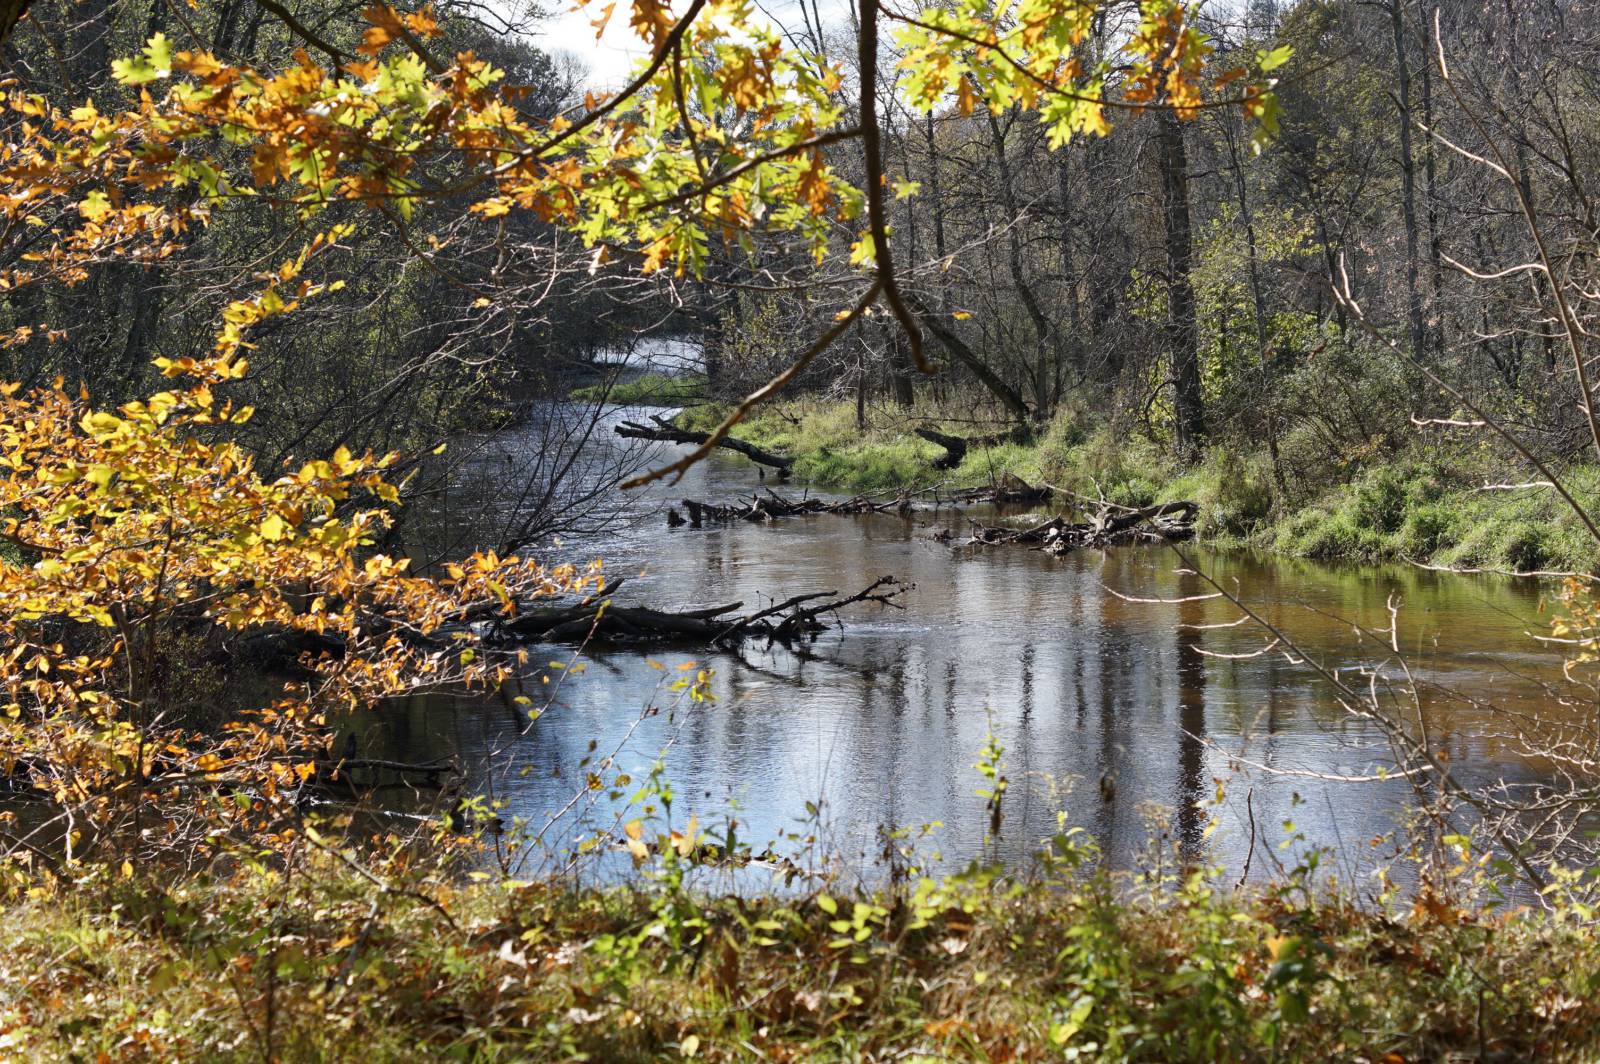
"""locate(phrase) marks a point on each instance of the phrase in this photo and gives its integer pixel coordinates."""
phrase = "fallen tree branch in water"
(1164, 521)
(770, 506)
(793, 618)
(1542, 573)
(664, 431)
(1009, 490)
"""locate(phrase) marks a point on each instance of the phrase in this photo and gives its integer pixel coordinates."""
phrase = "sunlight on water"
(1114, 711)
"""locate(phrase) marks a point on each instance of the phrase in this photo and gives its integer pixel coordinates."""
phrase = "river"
(1115, 713)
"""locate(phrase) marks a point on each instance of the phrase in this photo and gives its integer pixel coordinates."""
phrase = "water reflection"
(1109, 709)
(1191, 677)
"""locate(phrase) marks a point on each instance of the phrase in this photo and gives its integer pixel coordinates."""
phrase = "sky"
(612, 58)
(609, 59)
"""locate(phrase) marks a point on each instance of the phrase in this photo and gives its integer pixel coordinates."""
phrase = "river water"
(1114, 713)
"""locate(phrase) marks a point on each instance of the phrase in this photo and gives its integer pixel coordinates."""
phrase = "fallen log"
(604, 621)
(664, 431)
(956, 447)
(1109, 527)
(770, 506)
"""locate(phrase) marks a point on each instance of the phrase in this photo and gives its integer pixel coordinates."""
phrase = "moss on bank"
(326, 966)
(1429, 507)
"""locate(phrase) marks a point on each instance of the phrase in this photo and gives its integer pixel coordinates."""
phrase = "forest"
(995, 530)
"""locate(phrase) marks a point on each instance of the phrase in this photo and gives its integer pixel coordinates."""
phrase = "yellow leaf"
(685, 842)
(966, 96)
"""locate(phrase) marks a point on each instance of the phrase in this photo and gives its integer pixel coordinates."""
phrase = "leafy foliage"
(135, 530)
(971, 965)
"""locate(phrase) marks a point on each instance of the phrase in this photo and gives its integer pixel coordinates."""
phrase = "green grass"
(649, 389)
(323, 965)
(1427, 513)
(1426, 509)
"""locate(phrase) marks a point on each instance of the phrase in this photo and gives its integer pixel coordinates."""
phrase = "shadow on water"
(1117, 712)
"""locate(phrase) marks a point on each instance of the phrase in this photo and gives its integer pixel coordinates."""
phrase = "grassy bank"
(1426, 505)
(326, 965)
(646, 389)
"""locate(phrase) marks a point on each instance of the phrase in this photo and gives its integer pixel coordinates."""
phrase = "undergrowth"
(325, 964)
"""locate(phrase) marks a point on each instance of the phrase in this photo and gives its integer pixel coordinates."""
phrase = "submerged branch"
(793, 618)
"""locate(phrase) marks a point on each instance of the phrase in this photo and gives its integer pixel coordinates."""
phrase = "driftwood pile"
(769, 506)
(1009, 490)
(1159, 523)
(604, 621)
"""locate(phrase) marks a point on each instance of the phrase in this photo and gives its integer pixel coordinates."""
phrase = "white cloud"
(609, 59)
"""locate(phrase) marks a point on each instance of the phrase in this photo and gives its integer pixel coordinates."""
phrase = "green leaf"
(1275, 58)
(159, 51)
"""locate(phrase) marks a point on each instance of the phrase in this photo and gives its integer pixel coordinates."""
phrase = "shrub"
(1525, 547)
(1378, 501)
(1235, 494)
(1427, 530)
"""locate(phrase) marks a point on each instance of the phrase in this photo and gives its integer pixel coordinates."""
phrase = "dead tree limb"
(664, 431)
(605, 621)
(1010, 489)
(1164, 521)
(769, 506)
(956, 447)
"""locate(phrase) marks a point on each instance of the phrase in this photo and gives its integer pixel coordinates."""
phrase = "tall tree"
(1182, 328)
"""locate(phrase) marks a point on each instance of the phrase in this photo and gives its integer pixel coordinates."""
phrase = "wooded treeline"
(1177, 283)
(1171, 281)
(446, 321)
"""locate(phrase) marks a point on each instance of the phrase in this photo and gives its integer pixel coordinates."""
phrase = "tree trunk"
(1015, 405)
(1046, 339)
(1430, 174)
(1069, 271)
(1259, 298)
(11, 12)
(1183, 332)
(91, 44)
(1408, 180)
(900, 372)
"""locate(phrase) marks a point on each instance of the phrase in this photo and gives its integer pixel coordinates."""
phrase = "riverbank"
(1427, 504)
(325, 964)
